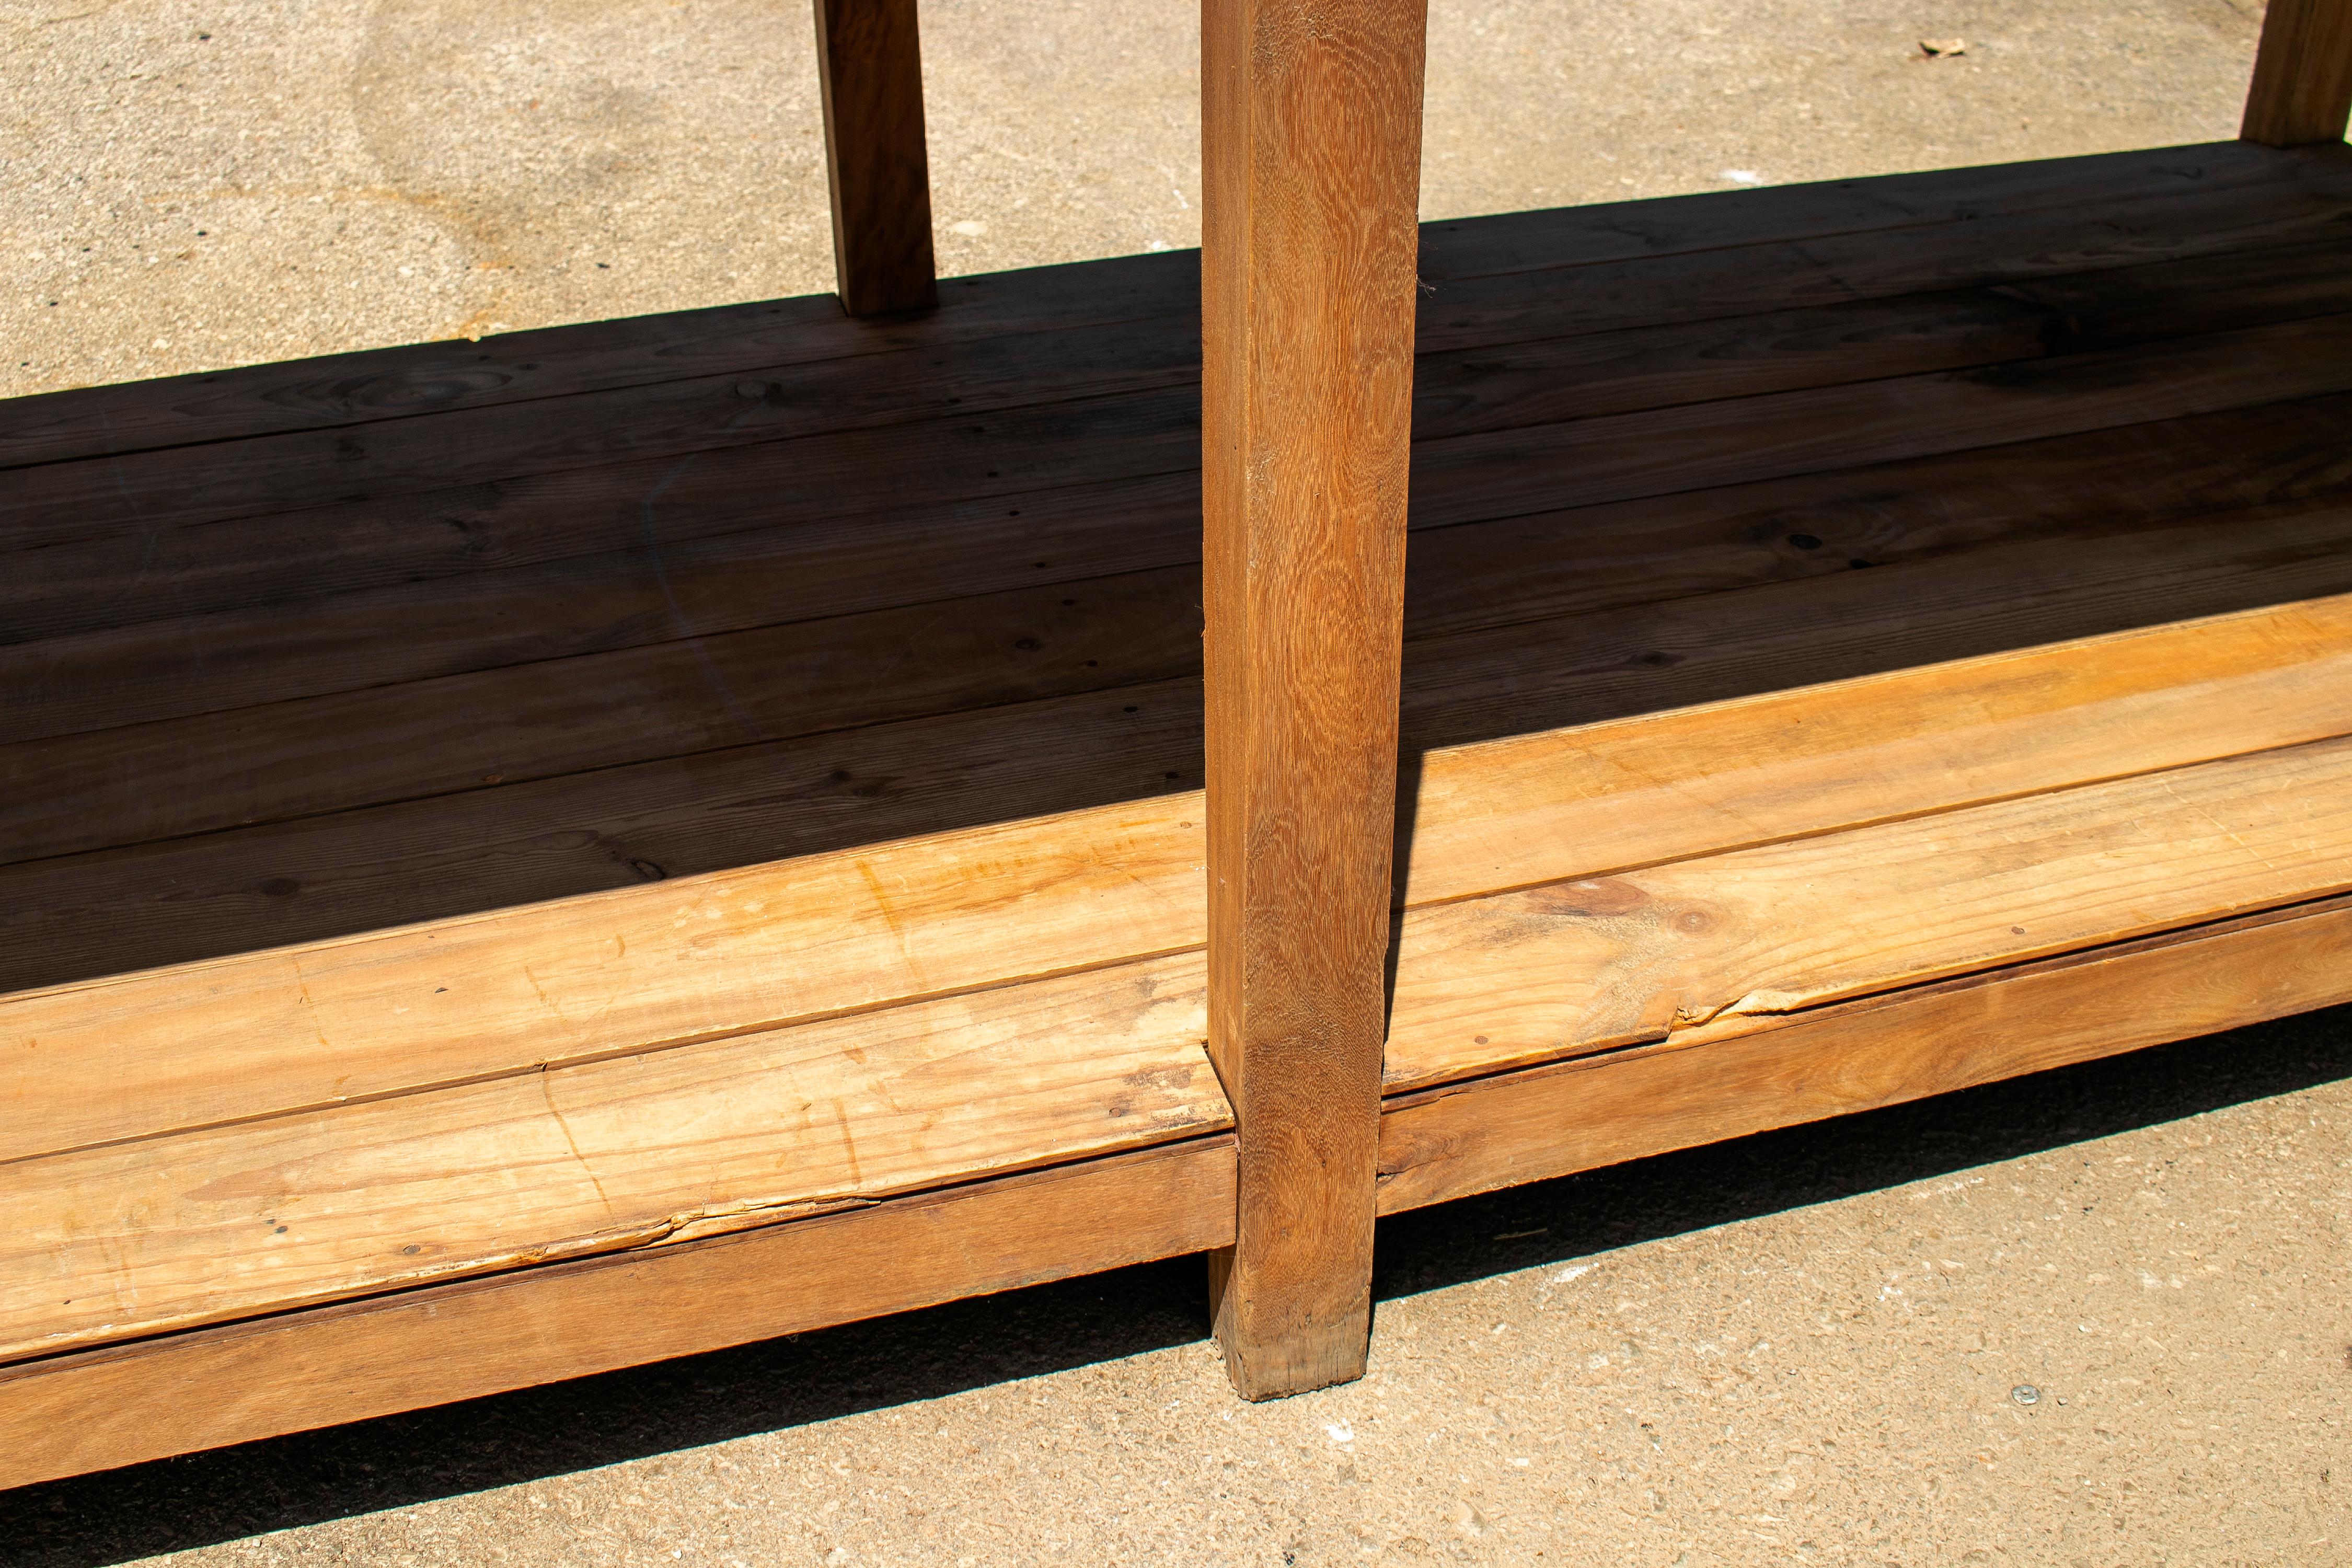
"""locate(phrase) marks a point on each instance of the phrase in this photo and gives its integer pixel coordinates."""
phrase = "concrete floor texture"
(2101, 1317)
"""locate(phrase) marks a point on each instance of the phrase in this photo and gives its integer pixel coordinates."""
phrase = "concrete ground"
(2101, 1317)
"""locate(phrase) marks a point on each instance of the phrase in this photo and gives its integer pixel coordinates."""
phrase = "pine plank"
(1605, 962)
(1470, 479)
(762, 947)
(1859, 1055)
(638, 1151)
(646, 967)
(123, 1404)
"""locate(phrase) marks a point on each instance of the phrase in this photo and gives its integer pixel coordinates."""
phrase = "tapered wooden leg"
(2302, 89)
(1311, 132)
(869, 59)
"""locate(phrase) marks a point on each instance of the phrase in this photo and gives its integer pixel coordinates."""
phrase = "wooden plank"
(552, 716)
(383, 742)
(1858, 1055)
(1469, 478)
(2302, 87)
(240, 566)
(760, 948)
(1558, 563)
(651, 429)
(1462, 391)
(1607, 960)
(396, 383)
(1514, 471)
(70, 918)
(604, 1155)
(209, 1387)
(1310, 172)
(646, 967)
(1886, 205)
(869, 63)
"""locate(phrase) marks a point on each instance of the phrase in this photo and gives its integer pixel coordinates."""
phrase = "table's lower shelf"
(1737, 916)
(572, 879)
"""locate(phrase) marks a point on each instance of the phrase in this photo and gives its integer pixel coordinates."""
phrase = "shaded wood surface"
(379, 384)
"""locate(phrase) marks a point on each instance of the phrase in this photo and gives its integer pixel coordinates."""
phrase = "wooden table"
(531, 857)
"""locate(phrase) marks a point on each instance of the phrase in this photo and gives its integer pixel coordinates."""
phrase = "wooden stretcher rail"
(209, 1387)
(1526, 1126)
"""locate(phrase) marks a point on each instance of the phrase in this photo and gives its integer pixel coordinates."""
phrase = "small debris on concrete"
(1940, 49)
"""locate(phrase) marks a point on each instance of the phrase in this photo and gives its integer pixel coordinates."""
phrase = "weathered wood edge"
(1474, 1136)
(207, 1388)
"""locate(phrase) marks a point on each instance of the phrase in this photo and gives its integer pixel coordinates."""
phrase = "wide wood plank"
(1581, 462)
(290, 1372)
(1858, 1055)
(653, 430)
(390, 384)
(70, 918)
(84, 584)
(1553, 563)
(639, 1150)
(1608, 961)
(646, 967)
(1468, 478)
(759, 948)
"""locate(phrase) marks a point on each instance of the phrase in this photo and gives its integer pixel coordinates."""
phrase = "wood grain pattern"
(609, 1152)
(756, 949)
(71, 918)
(869, 61)
(647, 967)
(1561, 562)
(2302, 87)
(599, 1156)
(1604, 962)
(209, 1387)
(1858, 1055)
(1311, 162)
